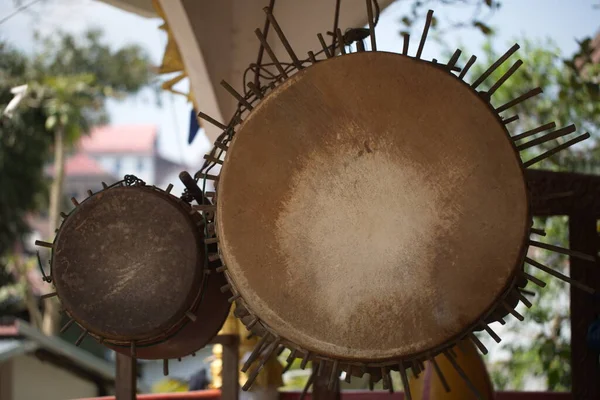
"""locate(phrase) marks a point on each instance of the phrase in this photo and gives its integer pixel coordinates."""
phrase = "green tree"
(571, 95)
(479, 12)
(24, 148)
(69, 81)
(23, 151)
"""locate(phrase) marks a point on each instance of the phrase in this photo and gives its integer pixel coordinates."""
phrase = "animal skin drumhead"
(372, 207)
(128, 264)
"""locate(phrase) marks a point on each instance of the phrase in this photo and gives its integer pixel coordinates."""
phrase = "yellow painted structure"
(270, 376)
(428, 385)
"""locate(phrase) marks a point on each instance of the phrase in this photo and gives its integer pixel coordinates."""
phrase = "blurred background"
(90, 91)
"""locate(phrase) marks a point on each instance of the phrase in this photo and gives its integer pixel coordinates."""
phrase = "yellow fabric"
(172, 58)
(172, 61)
(168, 385)
(270, 376)
(470, 361)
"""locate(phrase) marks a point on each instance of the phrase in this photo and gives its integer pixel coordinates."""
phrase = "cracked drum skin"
(371, 208)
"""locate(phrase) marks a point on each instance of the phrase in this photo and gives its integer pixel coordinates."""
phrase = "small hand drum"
(128, 265)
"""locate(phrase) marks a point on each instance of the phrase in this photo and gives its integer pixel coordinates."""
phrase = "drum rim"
(179, 319)
(254, 323)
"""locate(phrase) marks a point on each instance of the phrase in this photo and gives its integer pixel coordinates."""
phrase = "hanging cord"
(261, 71)
(336, 21)
(18, 10)
(261, 49)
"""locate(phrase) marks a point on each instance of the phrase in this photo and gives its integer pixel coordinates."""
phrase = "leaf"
(489, 3)
(50, 122)
(108, 91)
(486, 30)
(585, 45)
(406, 21)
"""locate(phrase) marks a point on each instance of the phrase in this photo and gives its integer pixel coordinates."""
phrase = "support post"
(585, 368)
(230, 388)
(126, 380)
(320, 389)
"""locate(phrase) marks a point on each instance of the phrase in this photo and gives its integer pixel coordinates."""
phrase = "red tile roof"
(9, 330)
(80, 164)
(120, 139)
(596, 51)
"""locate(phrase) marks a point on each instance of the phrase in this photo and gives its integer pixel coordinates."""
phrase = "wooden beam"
(125, 386)
(226, 340)
(230, 370)
(563, 193)
(320, 389)
(202, 84)
(583, 237)
(6, 380)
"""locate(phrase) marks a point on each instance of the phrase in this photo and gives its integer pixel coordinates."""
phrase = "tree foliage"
(69, 81)
(478, 11)
(72, 77)
(24, 144)
(571, 95)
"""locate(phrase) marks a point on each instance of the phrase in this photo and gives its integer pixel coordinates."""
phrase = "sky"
(564, 21)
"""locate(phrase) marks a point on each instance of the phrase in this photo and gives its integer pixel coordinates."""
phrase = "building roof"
(80, 164)
(596, 51)
(17, 337)
(594, 54)
(10, 348)
(167, 169)
(19, 334)
(120, 139)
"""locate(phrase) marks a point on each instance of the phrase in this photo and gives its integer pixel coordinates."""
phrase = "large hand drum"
(372, 209)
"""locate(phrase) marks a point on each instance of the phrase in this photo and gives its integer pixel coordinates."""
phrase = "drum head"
(195, 335)
(128, 263)
(372, 208)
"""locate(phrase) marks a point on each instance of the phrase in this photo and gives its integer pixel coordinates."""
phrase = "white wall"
(119, 165)
(33, 379)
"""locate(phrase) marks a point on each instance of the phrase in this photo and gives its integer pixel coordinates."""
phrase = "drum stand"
(576, 196)
(126, 379)
(321, 390)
